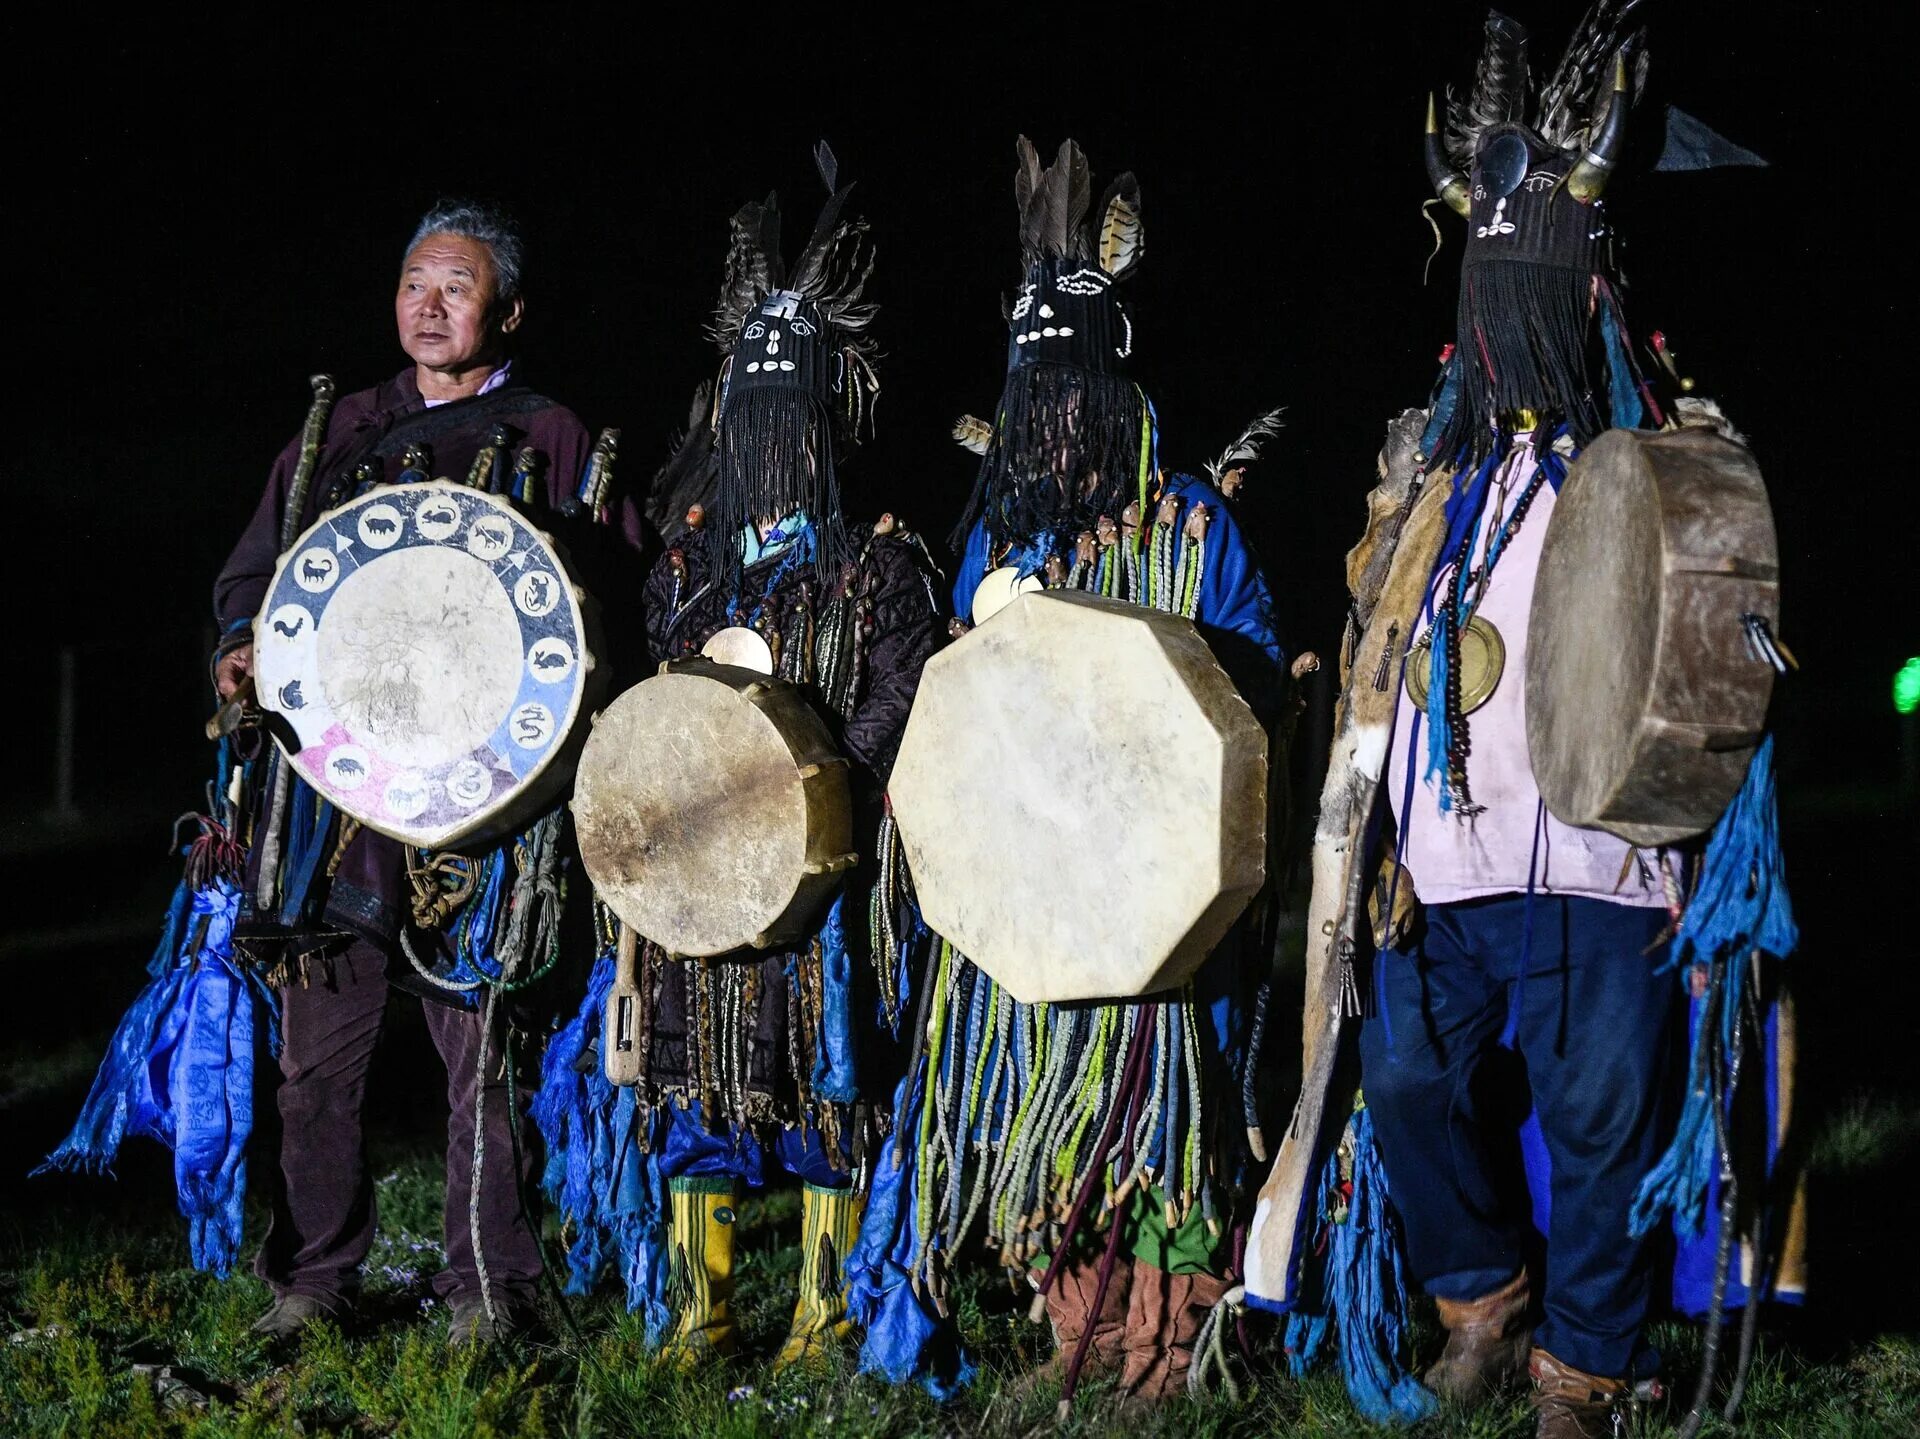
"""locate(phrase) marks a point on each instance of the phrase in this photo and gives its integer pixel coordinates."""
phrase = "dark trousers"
(323, 1210)
(1591, 1025)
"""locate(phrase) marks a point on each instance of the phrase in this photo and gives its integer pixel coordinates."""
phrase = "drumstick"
(236, 711)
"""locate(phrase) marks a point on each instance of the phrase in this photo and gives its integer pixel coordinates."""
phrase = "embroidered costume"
(320, 916)
(1494, 950)
(1072, 1129)
(770, 1059)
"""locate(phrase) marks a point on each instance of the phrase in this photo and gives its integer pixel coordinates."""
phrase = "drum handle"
(620, 1057)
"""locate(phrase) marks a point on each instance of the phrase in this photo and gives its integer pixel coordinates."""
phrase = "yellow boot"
(701, 1232)
(829, 1224)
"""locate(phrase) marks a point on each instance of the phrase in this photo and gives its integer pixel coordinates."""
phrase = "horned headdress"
(796, 390)
(1071, 431)
(1527, 166)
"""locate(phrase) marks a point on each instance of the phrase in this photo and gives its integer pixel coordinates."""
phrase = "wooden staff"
(314, 431)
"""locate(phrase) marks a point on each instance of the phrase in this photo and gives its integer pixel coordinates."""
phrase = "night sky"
(203, 215)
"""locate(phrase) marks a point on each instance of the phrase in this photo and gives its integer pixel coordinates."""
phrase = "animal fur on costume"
(1387, 574)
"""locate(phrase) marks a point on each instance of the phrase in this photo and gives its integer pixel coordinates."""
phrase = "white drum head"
(427, 649)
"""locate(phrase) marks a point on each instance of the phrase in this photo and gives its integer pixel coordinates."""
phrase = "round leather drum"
(429, 655)
(1082, 794)
(1645, 699)
(712, 809)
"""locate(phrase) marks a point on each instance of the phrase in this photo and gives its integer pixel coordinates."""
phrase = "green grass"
(87, 1299)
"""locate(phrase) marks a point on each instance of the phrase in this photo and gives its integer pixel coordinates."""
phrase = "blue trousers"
(1590, 1027)
(691, 1151)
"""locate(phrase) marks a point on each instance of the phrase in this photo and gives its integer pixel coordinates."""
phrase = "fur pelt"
(1387, 573)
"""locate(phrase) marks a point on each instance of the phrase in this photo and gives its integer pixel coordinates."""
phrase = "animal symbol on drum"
(290, 622)
(380, 526)
(315, 571)
(536, 594)
(550, 659)
(407, 795)
(347, 767)
(489, 538)
(468, 783)
(290, 696)
(531, 725)
(437, 520)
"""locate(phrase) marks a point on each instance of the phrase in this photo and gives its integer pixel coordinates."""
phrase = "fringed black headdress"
(1538, 321)
(798, 385)
(1071, 431)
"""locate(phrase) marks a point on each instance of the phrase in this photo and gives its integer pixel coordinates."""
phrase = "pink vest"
(1451, 858)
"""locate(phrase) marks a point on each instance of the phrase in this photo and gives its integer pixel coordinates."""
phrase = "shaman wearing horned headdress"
(771, 1059)
(1001, 1118)
(1516, 960)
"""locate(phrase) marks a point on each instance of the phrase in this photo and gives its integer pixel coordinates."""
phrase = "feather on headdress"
(1245, 450)
(831, 272)
(1563, 110)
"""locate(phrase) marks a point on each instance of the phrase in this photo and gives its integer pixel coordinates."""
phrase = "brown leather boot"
(1164, 1315)
(1487, 1343)
(1070, 1310)
(1573, 1404)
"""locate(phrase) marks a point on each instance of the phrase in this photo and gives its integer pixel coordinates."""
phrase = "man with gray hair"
(335, 934)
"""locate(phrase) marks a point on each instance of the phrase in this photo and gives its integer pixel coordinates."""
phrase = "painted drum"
(1082, 794)
(429, 655)
(1645, 697)
(712, 809)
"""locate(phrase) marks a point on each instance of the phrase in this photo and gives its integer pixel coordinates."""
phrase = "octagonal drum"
(1645, 695)
(1082, 794)
(712, 810)
(429, 655)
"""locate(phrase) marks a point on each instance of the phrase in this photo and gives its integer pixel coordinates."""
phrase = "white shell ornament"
(741, 647)
(998, 590)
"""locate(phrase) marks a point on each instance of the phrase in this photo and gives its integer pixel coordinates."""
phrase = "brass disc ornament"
(1483, 656)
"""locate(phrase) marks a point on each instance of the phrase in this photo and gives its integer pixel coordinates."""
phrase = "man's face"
(445, 306)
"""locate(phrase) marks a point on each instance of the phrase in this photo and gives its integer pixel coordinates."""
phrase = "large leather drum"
(1646, 695)
(712, 809)
(429, 655)
(1082, 794)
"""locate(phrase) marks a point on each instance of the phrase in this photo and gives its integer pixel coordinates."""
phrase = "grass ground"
(98, 1299)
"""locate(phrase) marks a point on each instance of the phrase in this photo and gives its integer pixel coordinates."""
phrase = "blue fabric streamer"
(1739, 905)
(1623, 388)
(1362, 1292)
(1446, 613)
(1446, 400)
(833, 1072)
(306, 831)
(905, 1336)
(604, 1184)
(180, 1070)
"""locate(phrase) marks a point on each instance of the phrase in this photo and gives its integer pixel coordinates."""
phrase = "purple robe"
(368, 894)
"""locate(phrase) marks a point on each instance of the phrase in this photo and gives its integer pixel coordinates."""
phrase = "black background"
(214, 210)
(206, 212)
(202, 213)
